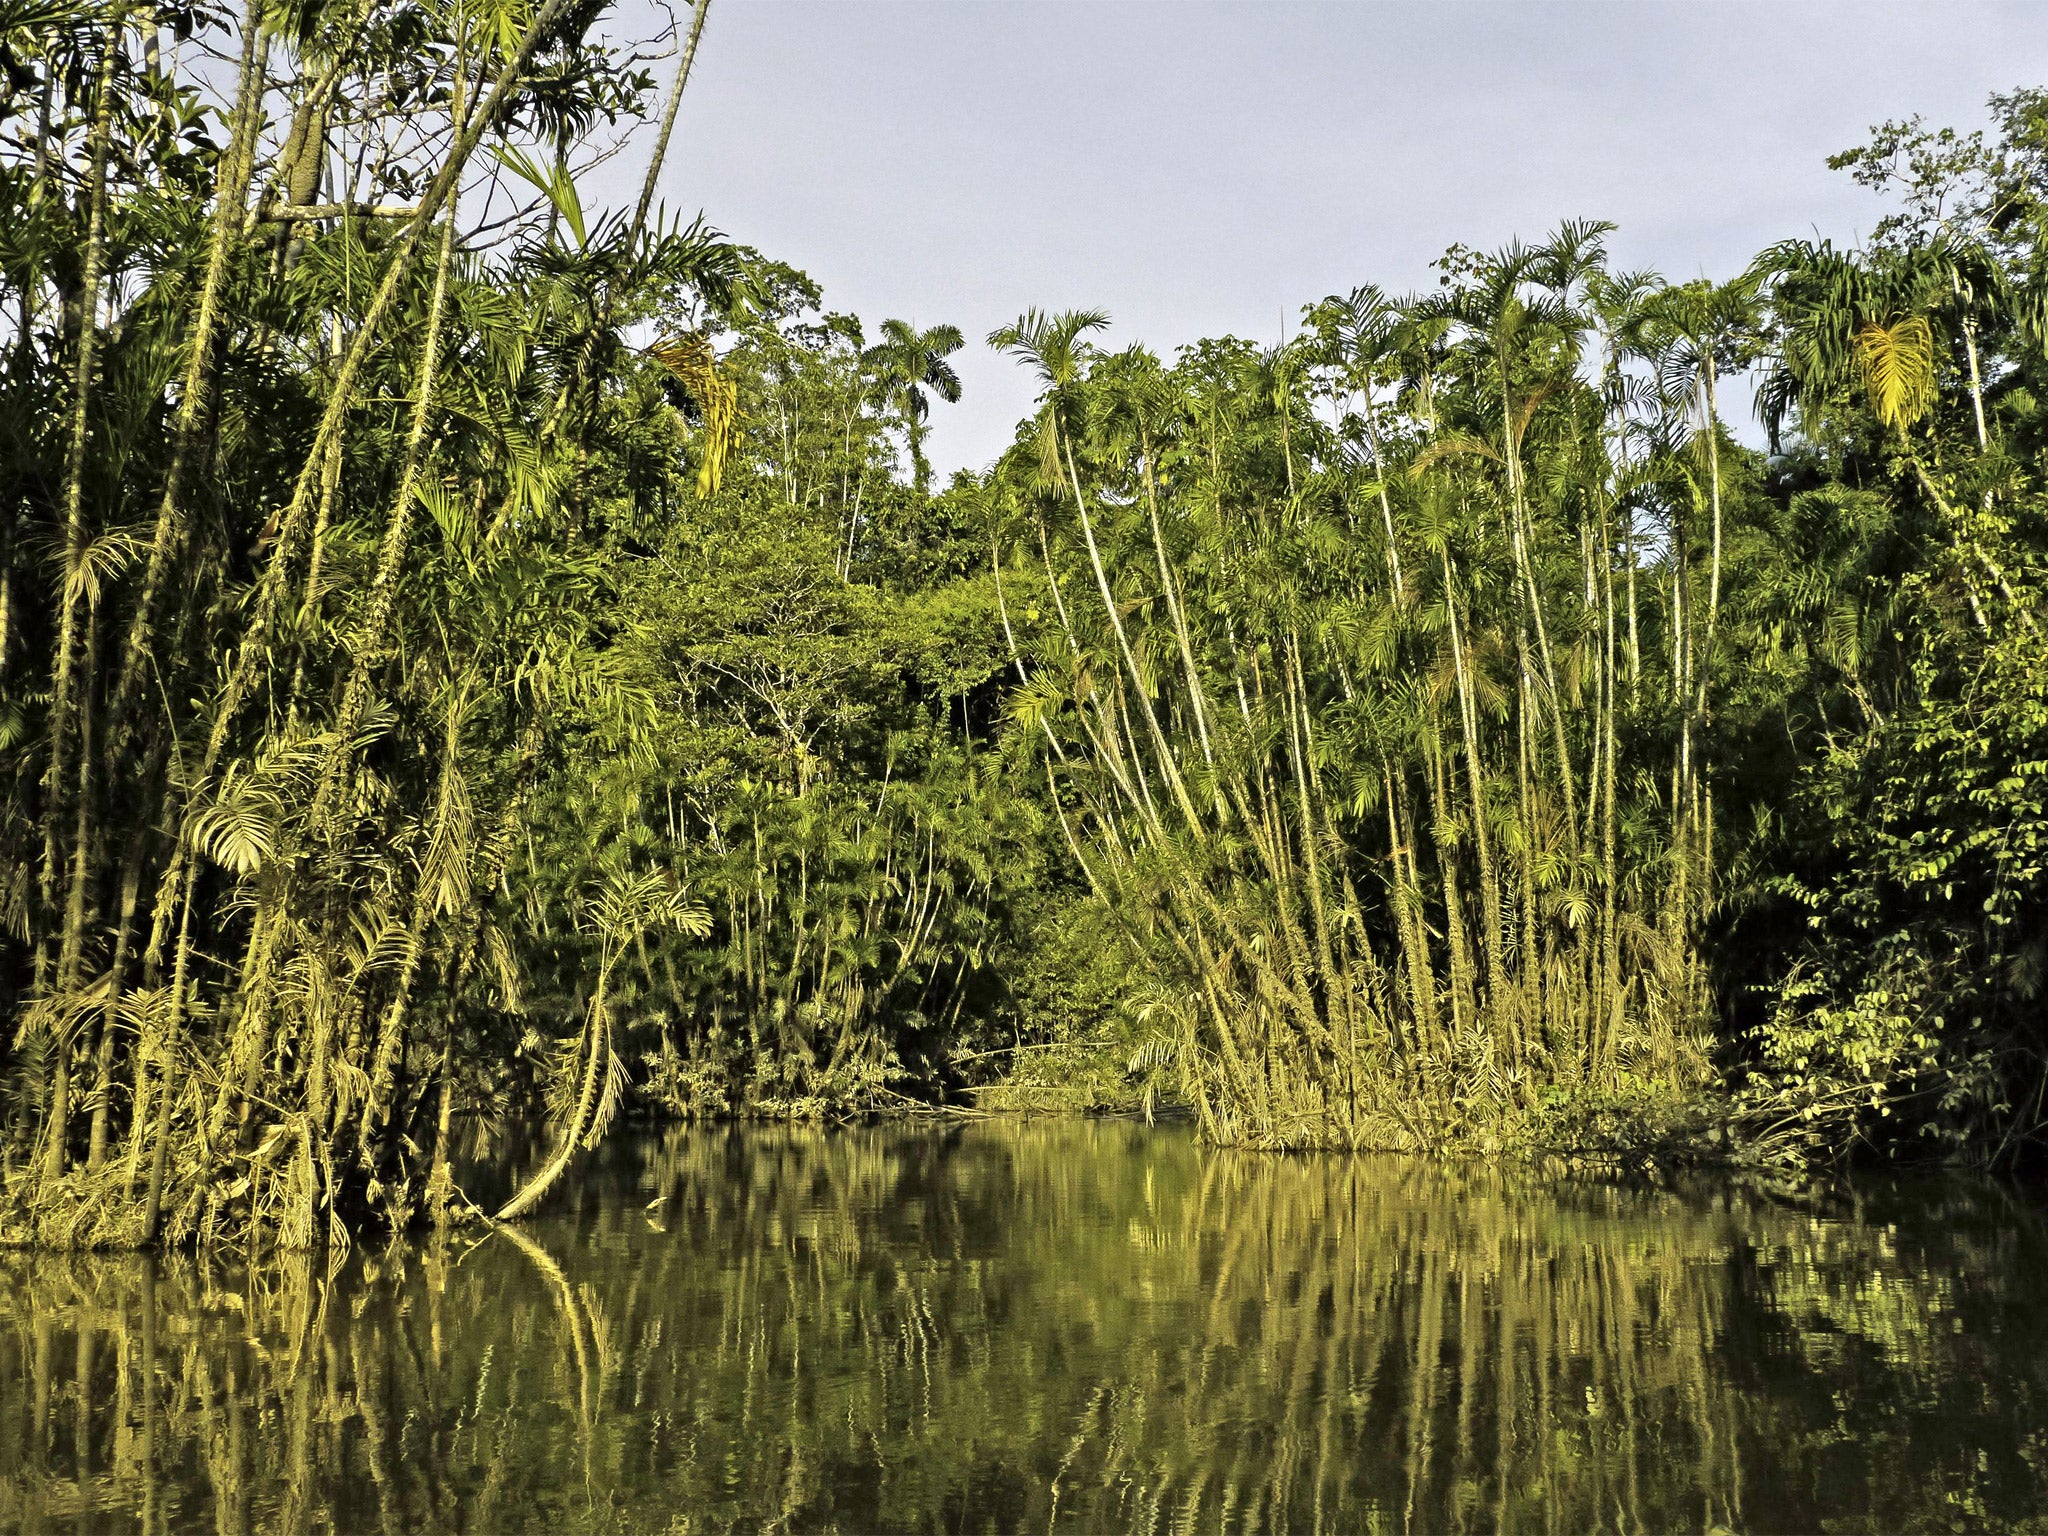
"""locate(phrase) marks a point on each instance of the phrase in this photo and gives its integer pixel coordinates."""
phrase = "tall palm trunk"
(70, 951)
(1524, 568)
(368, 643)
(1372, 432)
(62, 703)
(668, 115)
(196, 386)
(1489, 889)
(1407, 886)
(1606, 1012)
(1706, 659)
(124, 932)
(167, 1097)
(1164, 753)
(1197, 693)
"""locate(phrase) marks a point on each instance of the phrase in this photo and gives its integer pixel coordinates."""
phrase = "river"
(1057, 1325)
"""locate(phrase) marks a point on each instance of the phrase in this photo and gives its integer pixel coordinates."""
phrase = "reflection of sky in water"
(1077, 1325)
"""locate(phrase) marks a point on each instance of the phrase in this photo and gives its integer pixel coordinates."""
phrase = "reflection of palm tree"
(910, 362)
(499, 1377)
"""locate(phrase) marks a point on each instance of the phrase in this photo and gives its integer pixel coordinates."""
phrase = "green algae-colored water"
(1060, 1325)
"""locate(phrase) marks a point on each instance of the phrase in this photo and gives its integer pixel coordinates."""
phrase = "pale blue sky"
(1200, 168)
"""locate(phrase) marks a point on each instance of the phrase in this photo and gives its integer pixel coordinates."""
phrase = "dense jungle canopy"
(466, 654)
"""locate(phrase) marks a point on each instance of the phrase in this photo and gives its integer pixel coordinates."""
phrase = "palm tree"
(909, 362)
(1364, 343)
(1863, 329)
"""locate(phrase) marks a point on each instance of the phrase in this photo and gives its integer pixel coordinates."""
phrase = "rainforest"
(476, 664)
(1436, 920)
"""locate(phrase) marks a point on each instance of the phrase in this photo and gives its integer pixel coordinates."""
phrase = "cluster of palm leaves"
(1911, 1015)
(1391, 684)
(326, 416)
(1353, 630)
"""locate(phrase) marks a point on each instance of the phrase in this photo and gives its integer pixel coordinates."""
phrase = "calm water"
(1057, 1326)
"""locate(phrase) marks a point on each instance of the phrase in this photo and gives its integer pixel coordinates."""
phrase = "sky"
(1199, 168)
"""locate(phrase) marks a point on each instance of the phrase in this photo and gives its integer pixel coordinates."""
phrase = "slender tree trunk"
(1372, 432)
(195, 390)
(1608, 1007)
(167, 1095)
(103, 1092)
(1408, 908)
(1531, 990)
(1635, 643)
(64, 688)
(440, 1181)
(368, 644)
(1464, 989)
(1706, 659)
(70, 951)
(995, 565)
(1116, 623)
(1524, 567)
(7, 532)
(57, 1122)
(1197, 693)
(1970, 348)
(920, 471)
(1489, 889)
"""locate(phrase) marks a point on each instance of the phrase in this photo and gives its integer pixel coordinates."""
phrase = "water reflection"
(1055, 1326)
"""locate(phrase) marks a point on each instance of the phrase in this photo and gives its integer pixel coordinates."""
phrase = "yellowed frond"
(1451, 445)
(1897, 363)
(693, 362)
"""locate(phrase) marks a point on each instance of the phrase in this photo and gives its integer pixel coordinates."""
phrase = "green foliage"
(462, 657)
(819, 657)
(1332, 699)
(1923, 869)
